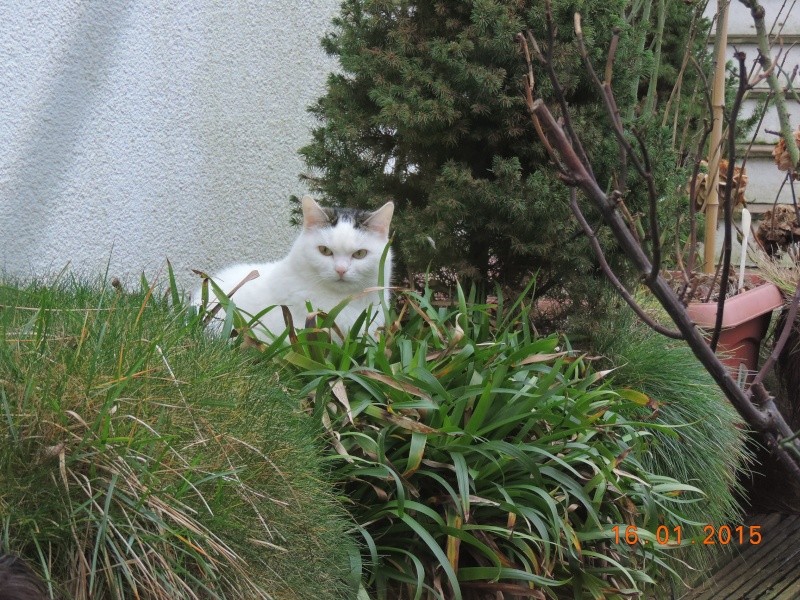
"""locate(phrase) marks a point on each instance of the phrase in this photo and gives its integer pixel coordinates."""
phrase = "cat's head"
(343, 246)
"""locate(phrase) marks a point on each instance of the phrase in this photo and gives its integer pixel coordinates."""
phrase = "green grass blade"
(436, 551)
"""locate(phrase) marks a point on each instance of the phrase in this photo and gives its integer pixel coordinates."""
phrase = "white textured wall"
(159, 129)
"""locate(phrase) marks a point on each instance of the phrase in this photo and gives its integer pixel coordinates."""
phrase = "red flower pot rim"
(740, 308)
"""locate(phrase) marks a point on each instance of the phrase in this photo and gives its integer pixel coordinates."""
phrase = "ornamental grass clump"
(477, 458)
(142, 459)
(706, 444)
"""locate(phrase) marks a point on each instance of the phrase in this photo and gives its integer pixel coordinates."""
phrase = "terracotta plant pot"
(744, 325)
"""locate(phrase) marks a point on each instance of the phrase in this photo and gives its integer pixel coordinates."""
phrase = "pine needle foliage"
(478, 459)
(428, 111)
(142, 459)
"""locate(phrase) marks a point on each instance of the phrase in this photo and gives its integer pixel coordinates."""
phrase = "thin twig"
(789, 323)
(693, 200)
(530, 84)
(617, 127)
(676, 89)
(727, 200)
(611, 276)
(612, 54)
(546, 58)
(652, 196)
(616, 196)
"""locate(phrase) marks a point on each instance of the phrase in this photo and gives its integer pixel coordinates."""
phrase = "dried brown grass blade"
(217, 307)
(340, 392)
(540, 358)
(393, 383)
(287, 318)
(401, 421)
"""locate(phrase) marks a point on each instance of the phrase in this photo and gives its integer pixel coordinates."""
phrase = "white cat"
(336, 256)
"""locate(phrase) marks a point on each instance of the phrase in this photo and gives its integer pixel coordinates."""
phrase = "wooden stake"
(715, 143)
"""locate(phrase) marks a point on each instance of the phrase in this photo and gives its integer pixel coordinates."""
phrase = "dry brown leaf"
(393, 383)
(287, 318)
(405, 422)
(740, 181)
(339, 391)
(539, 358)
(778, 229)
(781, 154)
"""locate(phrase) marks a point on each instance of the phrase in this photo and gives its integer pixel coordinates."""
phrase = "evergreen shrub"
(427, 110)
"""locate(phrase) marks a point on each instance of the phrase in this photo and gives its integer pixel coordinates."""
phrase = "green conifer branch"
(650, 105)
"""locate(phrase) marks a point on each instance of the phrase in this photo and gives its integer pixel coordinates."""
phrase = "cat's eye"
(359, 254)
(325, 250)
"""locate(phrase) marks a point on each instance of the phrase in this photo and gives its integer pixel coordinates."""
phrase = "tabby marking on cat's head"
(315, 215)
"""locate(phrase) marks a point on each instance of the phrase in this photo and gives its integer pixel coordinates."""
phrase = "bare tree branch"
(626, 148)
(791, 318)
(546, 59)
(652, 197)
(757, 12)
(530, 85)
(755, 405)
(727, 201)
(611, 276)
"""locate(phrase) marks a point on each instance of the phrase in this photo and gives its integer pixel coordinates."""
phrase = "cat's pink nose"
(341, 270)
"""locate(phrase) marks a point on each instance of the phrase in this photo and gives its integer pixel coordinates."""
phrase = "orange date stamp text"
(712, 536)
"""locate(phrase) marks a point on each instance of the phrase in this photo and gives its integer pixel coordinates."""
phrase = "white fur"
(307, 275)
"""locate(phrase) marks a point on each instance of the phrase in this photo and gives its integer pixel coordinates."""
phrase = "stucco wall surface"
(132, 131)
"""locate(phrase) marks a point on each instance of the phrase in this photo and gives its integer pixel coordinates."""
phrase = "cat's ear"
(380, 220)
(313, 214)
